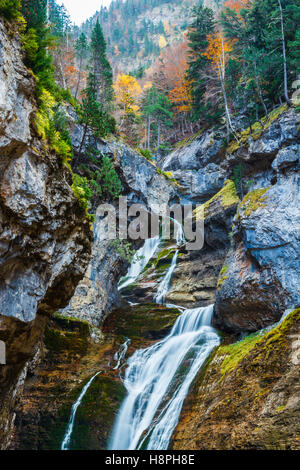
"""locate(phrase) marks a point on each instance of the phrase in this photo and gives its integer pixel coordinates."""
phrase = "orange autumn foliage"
(216, 50)
(237, 5)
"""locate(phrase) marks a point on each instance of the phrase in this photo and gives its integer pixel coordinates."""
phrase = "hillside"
(137, 30)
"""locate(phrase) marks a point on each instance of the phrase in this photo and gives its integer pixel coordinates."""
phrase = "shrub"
(10, 9)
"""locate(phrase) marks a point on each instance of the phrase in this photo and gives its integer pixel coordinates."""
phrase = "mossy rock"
(227, 197)
(141, 321)
(271, 343)
(97, 413)
(67, 336)
(253, 201)
(257, 129)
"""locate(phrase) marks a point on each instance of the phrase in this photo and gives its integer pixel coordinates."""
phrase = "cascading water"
(163, 288)
(69, 431)
(120, 355)
(167, 368)
(140, 261)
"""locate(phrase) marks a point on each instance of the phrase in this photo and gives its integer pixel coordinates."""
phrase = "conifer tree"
(203, 24)
(81, 49)
(102, 72)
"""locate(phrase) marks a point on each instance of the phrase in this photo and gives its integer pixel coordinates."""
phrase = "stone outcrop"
(45, 239)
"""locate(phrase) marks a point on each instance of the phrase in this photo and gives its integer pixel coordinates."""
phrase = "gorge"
(145, 344)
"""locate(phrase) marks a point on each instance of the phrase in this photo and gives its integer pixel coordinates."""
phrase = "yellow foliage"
(162, 42)
(127, 90)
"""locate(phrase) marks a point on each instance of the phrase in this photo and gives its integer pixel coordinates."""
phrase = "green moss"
(98, 410)
(263, 346)
(66, 335)
(227, 196)
(222, 276)
(253, 201)
(141, 321)
(257, 130)
(183, 143)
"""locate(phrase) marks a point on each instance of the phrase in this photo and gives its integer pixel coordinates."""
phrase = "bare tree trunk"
(260, 92)
(145, 143)
(79, 78)
(286, 94)
(229, 126)
(149, 131)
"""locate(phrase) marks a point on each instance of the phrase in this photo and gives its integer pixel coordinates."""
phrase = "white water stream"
(67, 437)
(157, 378)
(167, 368)
(140, 261)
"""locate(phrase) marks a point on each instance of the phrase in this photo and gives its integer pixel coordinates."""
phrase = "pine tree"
(202, 25)
(157, 107)
(102, 72)
(81, 49)
(93, 114)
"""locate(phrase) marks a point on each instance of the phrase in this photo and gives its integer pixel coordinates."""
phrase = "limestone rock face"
(45, 239)
(197, 166)
(262, 275)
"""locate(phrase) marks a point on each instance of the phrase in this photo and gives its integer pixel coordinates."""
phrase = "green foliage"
(123, 249)
(82, 191)
(10, 9)
(146, 153)
(110, 181)
(92, 114)
(30, 45)
(102, 71)
(202, 25)
(51, 125)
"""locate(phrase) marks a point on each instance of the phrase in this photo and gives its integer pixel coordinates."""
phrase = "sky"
(81, 10)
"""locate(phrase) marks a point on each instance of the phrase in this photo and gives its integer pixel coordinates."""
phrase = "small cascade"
(69, 431)
(140, 261)
(163, 288)
(157, 380)
(120, 355)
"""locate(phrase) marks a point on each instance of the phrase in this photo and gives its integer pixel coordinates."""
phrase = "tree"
(81, 49)
(102, 72)
(216, 52)
(93, 114)
(158, 107)
(202, 25)
(10, 9)
(127, 90)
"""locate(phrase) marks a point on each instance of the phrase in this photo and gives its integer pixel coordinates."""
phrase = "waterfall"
(120, 355)
(68, 434)
(157, 380)
(140, 261)
(163, 288)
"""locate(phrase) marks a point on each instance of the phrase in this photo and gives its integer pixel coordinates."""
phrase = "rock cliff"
(45, 239)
